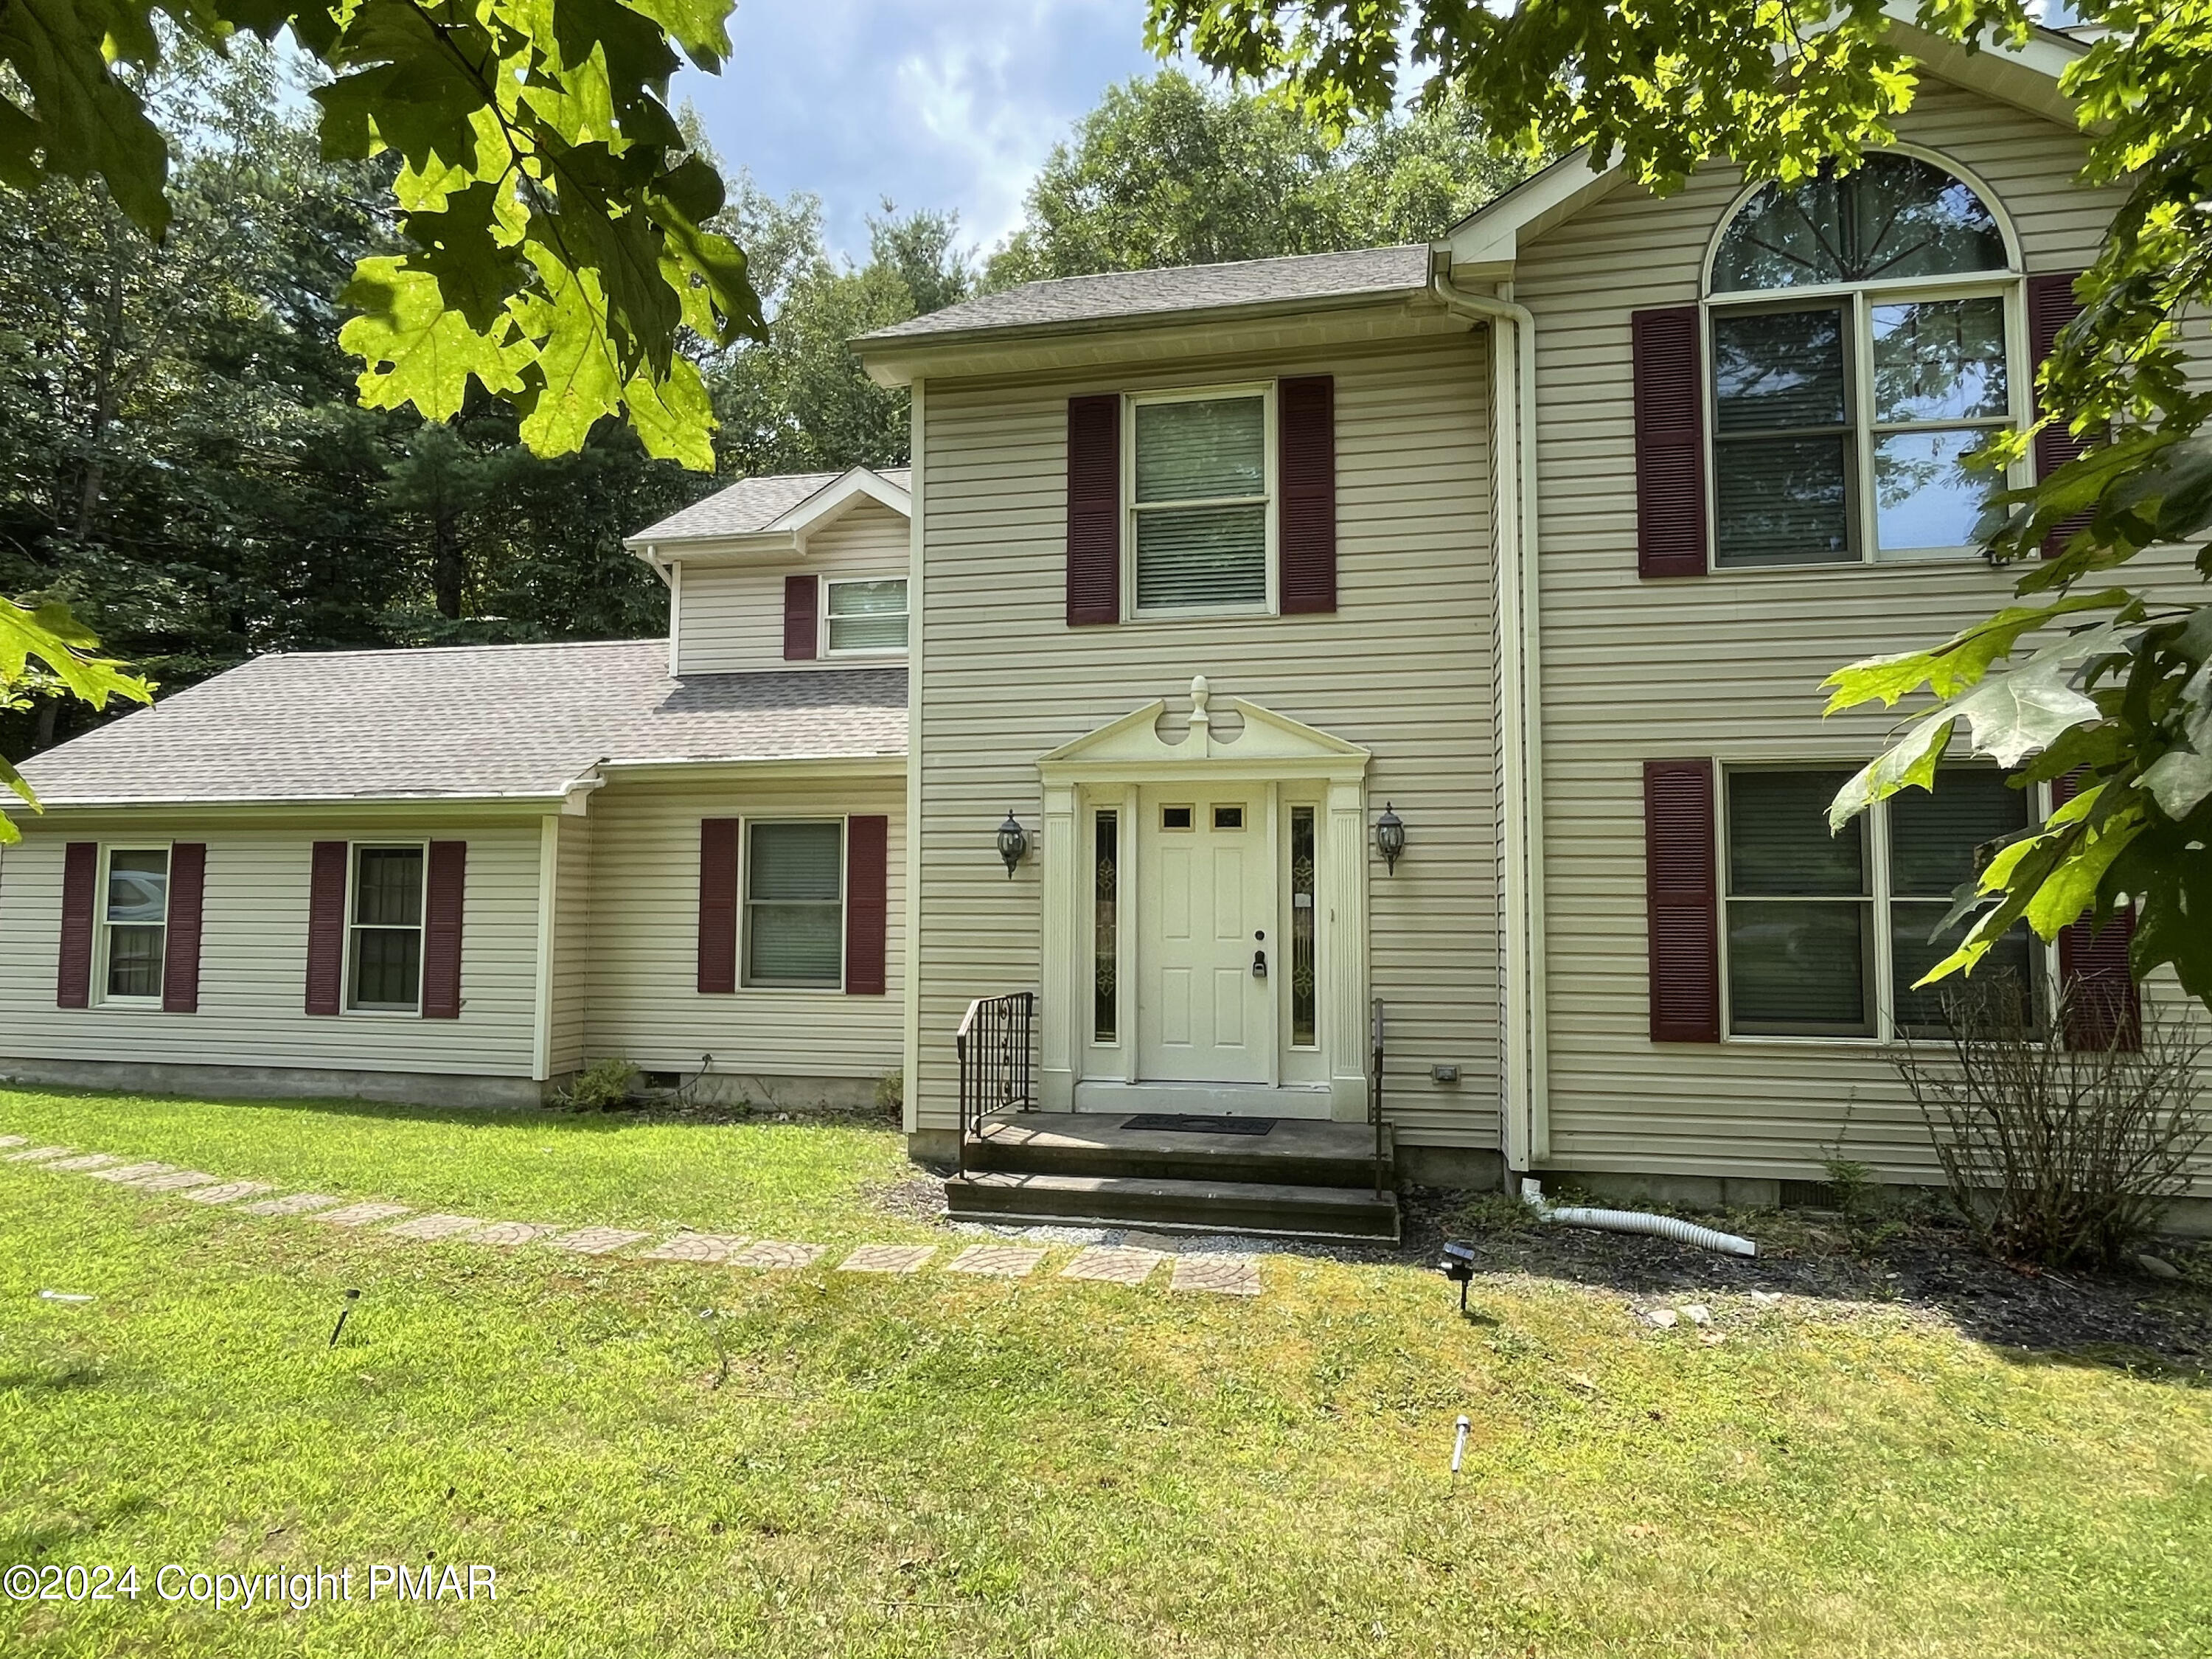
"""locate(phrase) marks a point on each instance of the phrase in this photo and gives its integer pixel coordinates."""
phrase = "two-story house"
(1410, 653)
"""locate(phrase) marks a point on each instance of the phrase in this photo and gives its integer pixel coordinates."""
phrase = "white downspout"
(1524, 1039)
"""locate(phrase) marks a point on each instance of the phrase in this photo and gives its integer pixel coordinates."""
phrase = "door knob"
(1259, 964)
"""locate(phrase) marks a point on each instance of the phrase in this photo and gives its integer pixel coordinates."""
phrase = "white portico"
(1205, 917)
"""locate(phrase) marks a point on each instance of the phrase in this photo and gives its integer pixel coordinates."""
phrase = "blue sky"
(935, 103)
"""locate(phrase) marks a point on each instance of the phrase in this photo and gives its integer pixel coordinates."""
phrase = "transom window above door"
(1862, 334)
(1201, 501)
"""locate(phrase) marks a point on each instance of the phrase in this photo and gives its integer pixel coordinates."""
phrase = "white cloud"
(947, 104)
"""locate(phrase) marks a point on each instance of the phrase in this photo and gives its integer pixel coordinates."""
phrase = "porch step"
(1272, 1209)
(1291, 1154)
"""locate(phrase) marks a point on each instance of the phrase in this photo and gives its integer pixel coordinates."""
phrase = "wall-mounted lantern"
(1013, 841)
(1390, 837)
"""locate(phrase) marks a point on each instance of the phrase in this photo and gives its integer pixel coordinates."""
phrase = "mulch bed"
(1919, 1264)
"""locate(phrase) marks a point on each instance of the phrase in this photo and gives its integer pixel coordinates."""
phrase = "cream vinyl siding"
(1402, 667)
(571, 942)
(1725, 665)
(253, 952)
(644, 1002)
(729, 617)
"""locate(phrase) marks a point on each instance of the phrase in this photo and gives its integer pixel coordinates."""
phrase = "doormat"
(1200, 1125)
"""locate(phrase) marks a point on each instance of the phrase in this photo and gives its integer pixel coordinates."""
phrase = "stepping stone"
(774, 1252)
(1113, 1266)
(695, 1247)
(434, 1226)
(35, 1154)
(14, 1140)
(360, 1215)
(1223, 1275)
(88, 1161)
(996, 1261)
(133, 1172)
(509, 1232)
(595, 1241)
(224, 1191)
(176, 1182)
(297, 1204)
(887, 1259)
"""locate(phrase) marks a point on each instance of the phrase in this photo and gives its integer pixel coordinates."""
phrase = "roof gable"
(1490, 239)
(772, 513)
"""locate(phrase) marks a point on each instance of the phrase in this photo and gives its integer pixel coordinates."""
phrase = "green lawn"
(941, 1466)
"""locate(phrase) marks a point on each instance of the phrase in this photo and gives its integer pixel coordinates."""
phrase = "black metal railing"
(995, 1072)
(1374, 1085)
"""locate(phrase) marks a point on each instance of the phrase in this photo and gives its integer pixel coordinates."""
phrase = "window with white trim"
(795, 903)
(1201, 502)
(134, 923)
(384, 928)
(1825, 935)
(865, 617)
(1844, 415)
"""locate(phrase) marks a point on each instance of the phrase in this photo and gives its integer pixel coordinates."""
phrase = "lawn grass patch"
(938, 1464)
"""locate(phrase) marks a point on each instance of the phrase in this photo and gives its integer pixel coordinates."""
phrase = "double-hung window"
(1201, 501)
(134, 923)
(867, 618)
(385, 929)
(1826, 934)
(1845, 414)
(795, 904)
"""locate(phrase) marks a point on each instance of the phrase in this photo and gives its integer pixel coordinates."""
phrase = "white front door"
(1205, 952)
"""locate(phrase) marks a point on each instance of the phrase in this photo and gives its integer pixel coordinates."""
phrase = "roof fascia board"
(1217, 331)
(837, 498)
(1492, 235)
(517, 805)
(758, 547)
(710, 767)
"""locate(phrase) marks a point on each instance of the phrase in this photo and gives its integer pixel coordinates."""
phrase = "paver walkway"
(1214, 1272)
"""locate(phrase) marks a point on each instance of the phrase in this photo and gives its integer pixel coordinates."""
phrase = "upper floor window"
(1201, 499)
(136, 920)
(863, 618)
(1845, 414)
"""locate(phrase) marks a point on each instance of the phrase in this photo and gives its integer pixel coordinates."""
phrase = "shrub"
(602, 1083)
(2055, 1154)
(890, 1092)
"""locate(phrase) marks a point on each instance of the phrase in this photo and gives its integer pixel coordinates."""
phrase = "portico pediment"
(1269, 744)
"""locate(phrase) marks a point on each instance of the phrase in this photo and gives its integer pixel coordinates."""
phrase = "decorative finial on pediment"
(1201, 722)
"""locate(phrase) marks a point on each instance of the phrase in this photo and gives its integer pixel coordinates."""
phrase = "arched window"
(1860, 330)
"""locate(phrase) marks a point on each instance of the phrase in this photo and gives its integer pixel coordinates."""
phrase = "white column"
(1058, 1029)
(1344, 953)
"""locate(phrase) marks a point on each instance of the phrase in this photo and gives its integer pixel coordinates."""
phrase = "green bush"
(602, 1083)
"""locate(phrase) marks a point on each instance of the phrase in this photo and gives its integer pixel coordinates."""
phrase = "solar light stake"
(352, 1296)
(1459, 1445)
(1458, 1265)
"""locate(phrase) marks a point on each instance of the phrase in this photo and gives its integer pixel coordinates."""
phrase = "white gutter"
(1523, 1083)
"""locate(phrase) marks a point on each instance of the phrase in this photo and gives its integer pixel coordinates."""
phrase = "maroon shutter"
(1670, 443)
(718, 904)
(802, 599)
(80, 876)
(2107, 1010)
(2051, 306)
(1306, 444)
(1682, 896)
(445, 898)
(867, 907)
(326, 911)
(180, 960)
(1094, 510)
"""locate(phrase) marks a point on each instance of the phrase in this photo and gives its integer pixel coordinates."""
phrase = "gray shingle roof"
(752, 504)
(463, 721)
(1070, 300)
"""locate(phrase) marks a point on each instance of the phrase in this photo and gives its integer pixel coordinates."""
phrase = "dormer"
(788, 570)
